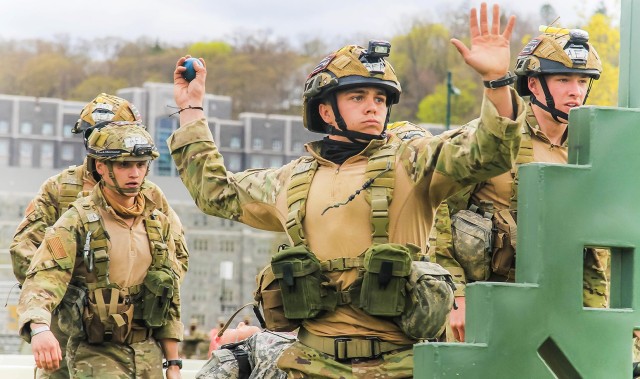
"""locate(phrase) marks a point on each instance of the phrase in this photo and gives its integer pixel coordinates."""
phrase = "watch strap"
(506, 80)
(172, 362)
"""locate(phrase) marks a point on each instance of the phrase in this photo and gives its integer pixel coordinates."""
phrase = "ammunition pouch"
(305, 291)
(429, 301)
(108, 316)
(504, 247)
(386, 267)
(472, 236)
(269, 296)
(158, 292)
(69, 311)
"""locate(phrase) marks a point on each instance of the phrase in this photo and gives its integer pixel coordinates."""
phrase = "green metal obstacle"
(538, 327)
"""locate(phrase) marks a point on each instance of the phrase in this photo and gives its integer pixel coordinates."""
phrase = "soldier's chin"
(131, 191)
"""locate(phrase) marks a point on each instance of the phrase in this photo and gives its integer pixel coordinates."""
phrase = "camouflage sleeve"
(248, 197)
(49, 273)
(173, 327)
(443, 249)
(41, 213)
(595, 280)
(162, 204)
(486, 147)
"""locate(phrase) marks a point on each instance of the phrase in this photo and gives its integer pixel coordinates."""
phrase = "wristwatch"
(172, 362)
(506, 80)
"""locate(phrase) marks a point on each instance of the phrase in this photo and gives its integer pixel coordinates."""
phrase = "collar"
(314, 149)
(533, 128)
(97, 197)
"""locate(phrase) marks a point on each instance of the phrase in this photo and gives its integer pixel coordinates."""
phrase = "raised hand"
(489, 54)
(189, 93)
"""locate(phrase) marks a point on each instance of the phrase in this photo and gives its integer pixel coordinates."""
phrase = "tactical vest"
(71, 184)
(111, 311)
(484, 239)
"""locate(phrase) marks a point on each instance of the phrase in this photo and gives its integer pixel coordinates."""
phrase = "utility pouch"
(504, 247)
(472, 235)
(108, 316)
(305, 291)
(69, 311)
(429, 301)
(383, 289)
(269, 296)
(158, 292)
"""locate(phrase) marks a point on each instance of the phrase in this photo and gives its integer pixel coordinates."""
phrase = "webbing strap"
(71, 184)
(98, 243)
(297, 193)
(342, 264)
(525, 155)
(154, 232)
(101, 306)
(380, 169)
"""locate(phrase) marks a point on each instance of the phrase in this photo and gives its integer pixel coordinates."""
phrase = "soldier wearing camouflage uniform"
(554, 72)
(54, 197)
(359, 207)
(118, 251)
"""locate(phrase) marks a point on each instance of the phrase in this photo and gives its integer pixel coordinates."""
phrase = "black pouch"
(383, 289)
(304, 289)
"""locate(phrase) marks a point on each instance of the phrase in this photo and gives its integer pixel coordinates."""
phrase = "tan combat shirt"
(427, 170)
(58, 262)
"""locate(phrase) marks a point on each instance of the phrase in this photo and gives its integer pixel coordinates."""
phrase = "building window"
(275, 162)
(234, 163)
(26, 128)
(67, 152)
(47, 129)
(298, 146)
(4, 127)
(46, 155)
(276, 145)
(4, 152)
(235, 142)
(66, 131)
(26, 154)
(256, 161)
(257, 144)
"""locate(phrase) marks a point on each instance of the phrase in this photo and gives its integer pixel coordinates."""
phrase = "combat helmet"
(557, 51)
(350, 66)
(105, 108)
(118, 141)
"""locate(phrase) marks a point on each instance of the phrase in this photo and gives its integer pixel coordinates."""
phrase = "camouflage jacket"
(428, 169)
(443, 251)
(43, 211)
(58, 261)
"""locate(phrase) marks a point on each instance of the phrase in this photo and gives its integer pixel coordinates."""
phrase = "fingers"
(484, 27)
(473, 23)
(462, 48)
(495, 25)
(509, 28)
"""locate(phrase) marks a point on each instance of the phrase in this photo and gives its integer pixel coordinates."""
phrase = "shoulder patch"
(54, 244)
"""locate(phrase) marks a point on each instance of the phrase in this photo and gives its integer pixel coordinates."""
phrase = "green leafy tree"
(433, 108)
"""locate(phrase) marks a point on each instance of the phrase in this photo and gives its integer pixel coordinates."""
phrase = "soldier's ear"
(101, 168)
(326, 112)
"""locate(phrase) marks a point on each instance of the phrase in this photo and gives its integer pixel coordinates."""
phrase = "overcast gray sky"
(197, 20)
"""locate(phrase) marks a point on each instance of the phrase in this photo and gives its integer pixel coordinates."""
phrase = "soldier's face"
(364, 109)
(128, 174)
(568, 90)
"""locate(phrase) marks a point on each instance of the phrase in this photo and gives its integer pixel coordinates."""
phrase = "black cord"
(183, 109)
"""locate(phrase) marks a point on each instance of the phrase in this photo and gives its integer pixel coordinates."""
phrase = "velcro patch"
(54, 244)
(531, 47)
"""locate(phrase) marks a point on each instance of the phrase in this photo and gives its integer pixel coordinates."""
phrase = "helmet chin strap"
(353, 136)
(550, 107)
(116, 187)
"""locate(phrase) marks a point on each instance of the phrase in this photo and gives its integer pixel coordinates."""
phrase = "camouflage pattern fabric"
(300, 361)
(595, 281)
(264, 348)
(44, 210)
(55, 264)
(142, 360)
